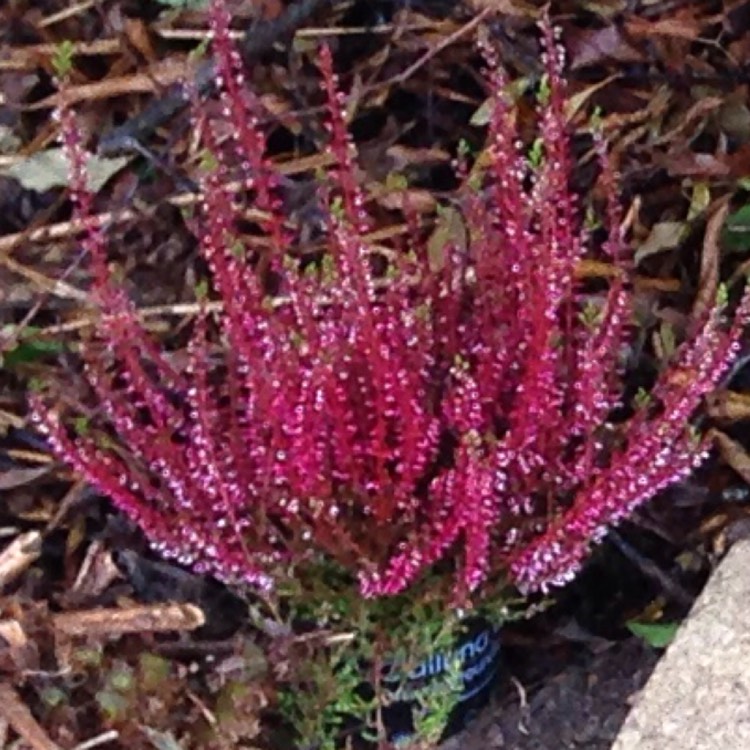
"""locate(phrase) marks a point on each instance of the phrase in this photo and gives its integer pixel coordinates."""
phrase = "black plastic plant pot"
(470, 667)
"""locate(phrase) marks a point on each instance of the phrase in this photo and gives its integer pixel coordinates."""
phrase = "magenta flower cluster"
(382, 407)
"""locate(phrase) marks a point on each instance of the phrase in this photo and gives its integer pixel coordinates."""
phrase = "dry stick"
(651, 570)
(155, 618)
(7, 343)
(258, 39)
(27, 58)
(427, 56)
(64, 229)
(58, 288)
(17, 714)
(19, 555)
(59, 231)
(65, 14)
(108, 736)
(184, 309)
(196, 35)
(14, 636)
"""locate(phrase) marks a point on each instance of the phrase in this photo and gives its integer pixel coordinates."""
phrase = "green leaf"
(483, 113)
(545, 90)
(536, 153)
(396, 182)
(722, 296)
(62, 58)
(655, 634)
(82, 425)
(53, 697)
(667, 340)
(31, 350)
(208, 161)
(590, 316)
(700, 200)
(184, 4)
(736, 232)
(113, 705)
(642, 399)
(155, 671)
(121, 679)
(201, 290)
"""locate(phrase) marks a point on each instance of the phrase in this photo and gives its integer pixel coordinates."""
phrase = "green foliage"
(62, 58)
(435, 702)
(535, 154)
(335, 687)
(642, 399)
(544, 91)
(201, 290)
(184, 4)
(655, 634)
(736, 232)
(722, 296)
(207, 161)
(28, 347)
(113, 705)
(154, 670)
(591, 315)
(82, 425)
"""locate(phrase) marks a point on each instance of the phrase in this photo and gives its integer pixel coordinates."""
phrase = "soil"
(576, 705)
(569, 674)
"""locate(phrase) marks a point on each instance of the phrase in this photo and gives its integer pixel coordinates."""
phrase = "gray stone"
(698, 697)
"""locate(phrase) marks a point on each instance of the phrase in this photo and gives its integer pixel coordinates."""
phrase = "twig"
(258, 39)
(27, 57)
(64, 229)
(154, 618)
(100, 739)
(651, 570)
(523, 706)
(17, 714)
(19, 555)
(58, 288)
(446, 42)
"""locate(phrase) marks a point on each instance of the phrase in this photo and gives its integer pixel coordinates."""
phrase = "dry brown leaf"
(450, 231)
(733, 453)
(708, 280)
(48, 169)
(690, 164)
(729, 406)
(419, 201)
(162, 74)
(516, 8)
(682, 27)
(602, 45)
(18, 476)
(17, 651)
(28, 56)
(96, 573)
(664, 235)
(137, 34)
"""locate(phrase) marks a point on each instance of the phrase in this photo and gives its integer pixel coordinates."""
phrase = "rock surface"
(698, 697)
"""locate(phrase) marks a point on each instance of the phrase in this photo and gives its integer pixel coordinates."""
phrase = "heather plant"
(381, 407)
(377, 421)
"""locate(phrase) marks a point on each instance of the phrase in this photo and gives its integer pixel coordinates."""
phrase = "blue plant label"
(474, 661)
